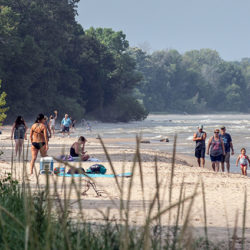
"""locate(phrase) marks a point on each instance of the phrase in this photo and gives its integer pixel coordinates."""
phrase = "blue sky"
(222, 25)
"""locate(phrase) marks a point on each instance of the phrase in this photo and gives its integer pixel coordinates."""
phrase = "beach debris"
(144, 141)
(88, 185)
(164, 140)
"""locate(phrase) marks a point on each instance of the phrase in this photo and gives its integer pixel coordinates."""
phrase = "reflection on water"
(156, 127)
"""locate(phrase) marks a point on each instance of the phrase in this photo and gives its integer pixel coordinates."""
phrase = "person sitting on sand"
(39, 140)
(77, 149)
(216, 149)
(19, 130)
(200, 147)
(243, 159)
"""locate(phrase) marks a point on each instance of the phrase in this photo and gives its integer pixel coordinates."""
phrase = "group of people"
(40, 132)
(219, 147)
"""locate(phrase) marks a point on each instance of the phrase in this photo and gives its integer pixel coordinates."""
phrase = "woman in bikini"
(39, 140)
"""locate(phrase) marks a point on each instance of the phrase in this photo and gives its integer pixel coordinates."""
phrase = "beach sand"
(224, 193)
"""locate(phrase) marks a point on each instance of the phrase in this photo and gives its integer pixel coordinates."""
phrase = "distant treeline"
(197, 81)
(48, 61)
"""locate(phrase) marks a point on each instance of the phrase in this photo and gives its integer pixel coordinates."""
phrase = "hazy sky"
(223, 25)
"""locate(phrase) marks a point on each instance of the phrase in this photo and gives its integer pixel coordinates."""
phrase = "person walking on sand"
(228, 145)
(65, 124)
(39, 140)
(216, 149)
(52, 123)
(19, 130)
(200, 147)
(243, 159)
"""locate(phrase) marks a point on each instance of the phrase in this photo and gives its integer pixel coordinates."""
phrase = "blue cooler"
(46, 165)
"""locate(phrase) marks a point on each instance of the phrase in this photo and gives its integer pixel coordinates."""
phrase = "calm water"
(156, 127)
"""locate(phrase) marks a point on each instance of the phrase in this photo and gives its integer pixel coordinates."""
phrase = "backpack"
(96, 169)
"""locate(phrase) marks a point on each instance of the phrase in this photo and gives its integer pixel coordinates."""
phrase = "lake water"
(156, 127)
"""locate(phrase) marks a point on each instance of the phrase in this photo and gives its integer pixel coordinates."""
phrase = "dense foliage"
(197, 81)
(47, 62)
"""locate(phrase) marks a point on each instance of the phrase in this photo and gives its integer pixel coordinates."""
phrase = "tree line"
(49, 61)
(194, 82)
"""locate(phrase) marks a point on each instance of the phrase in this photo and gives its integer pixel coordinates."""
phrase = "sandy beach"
(224, 193)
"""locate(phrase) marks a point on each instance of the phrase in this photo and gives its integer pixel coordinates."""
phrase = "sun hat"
(200, 126)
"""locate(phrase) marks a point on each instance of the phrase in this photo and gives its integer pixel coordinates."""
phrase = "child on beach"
(243, 158)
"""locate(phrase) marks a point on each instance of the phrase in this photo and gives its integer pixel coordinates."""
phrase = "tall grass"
(39, 218)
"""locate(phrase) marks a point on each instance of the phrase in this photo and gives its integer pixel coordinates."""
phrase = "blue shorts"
(217, 158)
(200, 152)
(65, 129)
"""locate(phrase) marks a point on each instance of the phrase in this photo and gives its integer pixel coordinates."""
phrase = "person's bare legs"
(43, 151)
(20, 147)
(213, 166)
(199, 161)
(223, 166)
(16, 146)
(34, 153)
(203, 162)
(228, 167)
(217, 166)
(244, 170)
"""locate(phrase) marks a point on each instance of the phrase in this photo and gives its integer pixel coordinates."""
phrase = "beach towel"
(76, 159)
(93, 159)
(96, 175)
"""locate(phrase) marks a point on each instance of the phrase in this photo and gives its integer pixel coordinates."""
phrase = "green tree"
(3, 108)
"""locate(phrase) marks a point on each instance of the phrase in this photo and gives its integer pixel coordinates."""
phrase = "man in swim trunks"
(39, 140)
(66, 124)
(228, 145)
(200, 147)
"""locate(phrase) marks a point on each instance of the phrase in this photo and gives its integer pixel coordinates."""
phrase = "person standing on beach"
(200, 147)
(52, 123)
(216, 149)
(19, 130)
(65, 124)
(244, 160)
(39, 140)
(228, 145)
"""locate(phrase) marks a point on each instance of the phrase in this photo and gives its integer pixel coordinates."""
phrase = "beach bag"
(96, 169)
(76, 171)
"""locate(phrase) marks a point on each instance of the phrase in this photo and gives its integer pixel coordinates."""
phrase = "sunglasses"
(216, 132)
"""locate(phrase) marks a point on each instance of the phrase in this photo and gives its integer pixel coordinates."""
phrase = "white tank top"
(52, 122)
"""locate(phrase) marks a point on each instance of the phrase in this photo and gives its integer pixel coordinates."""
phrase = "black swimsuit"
(38, 145)
(73, 152)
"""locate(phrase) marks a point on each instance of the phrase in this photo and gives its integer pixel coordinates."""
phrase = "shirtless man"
(200, 148)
